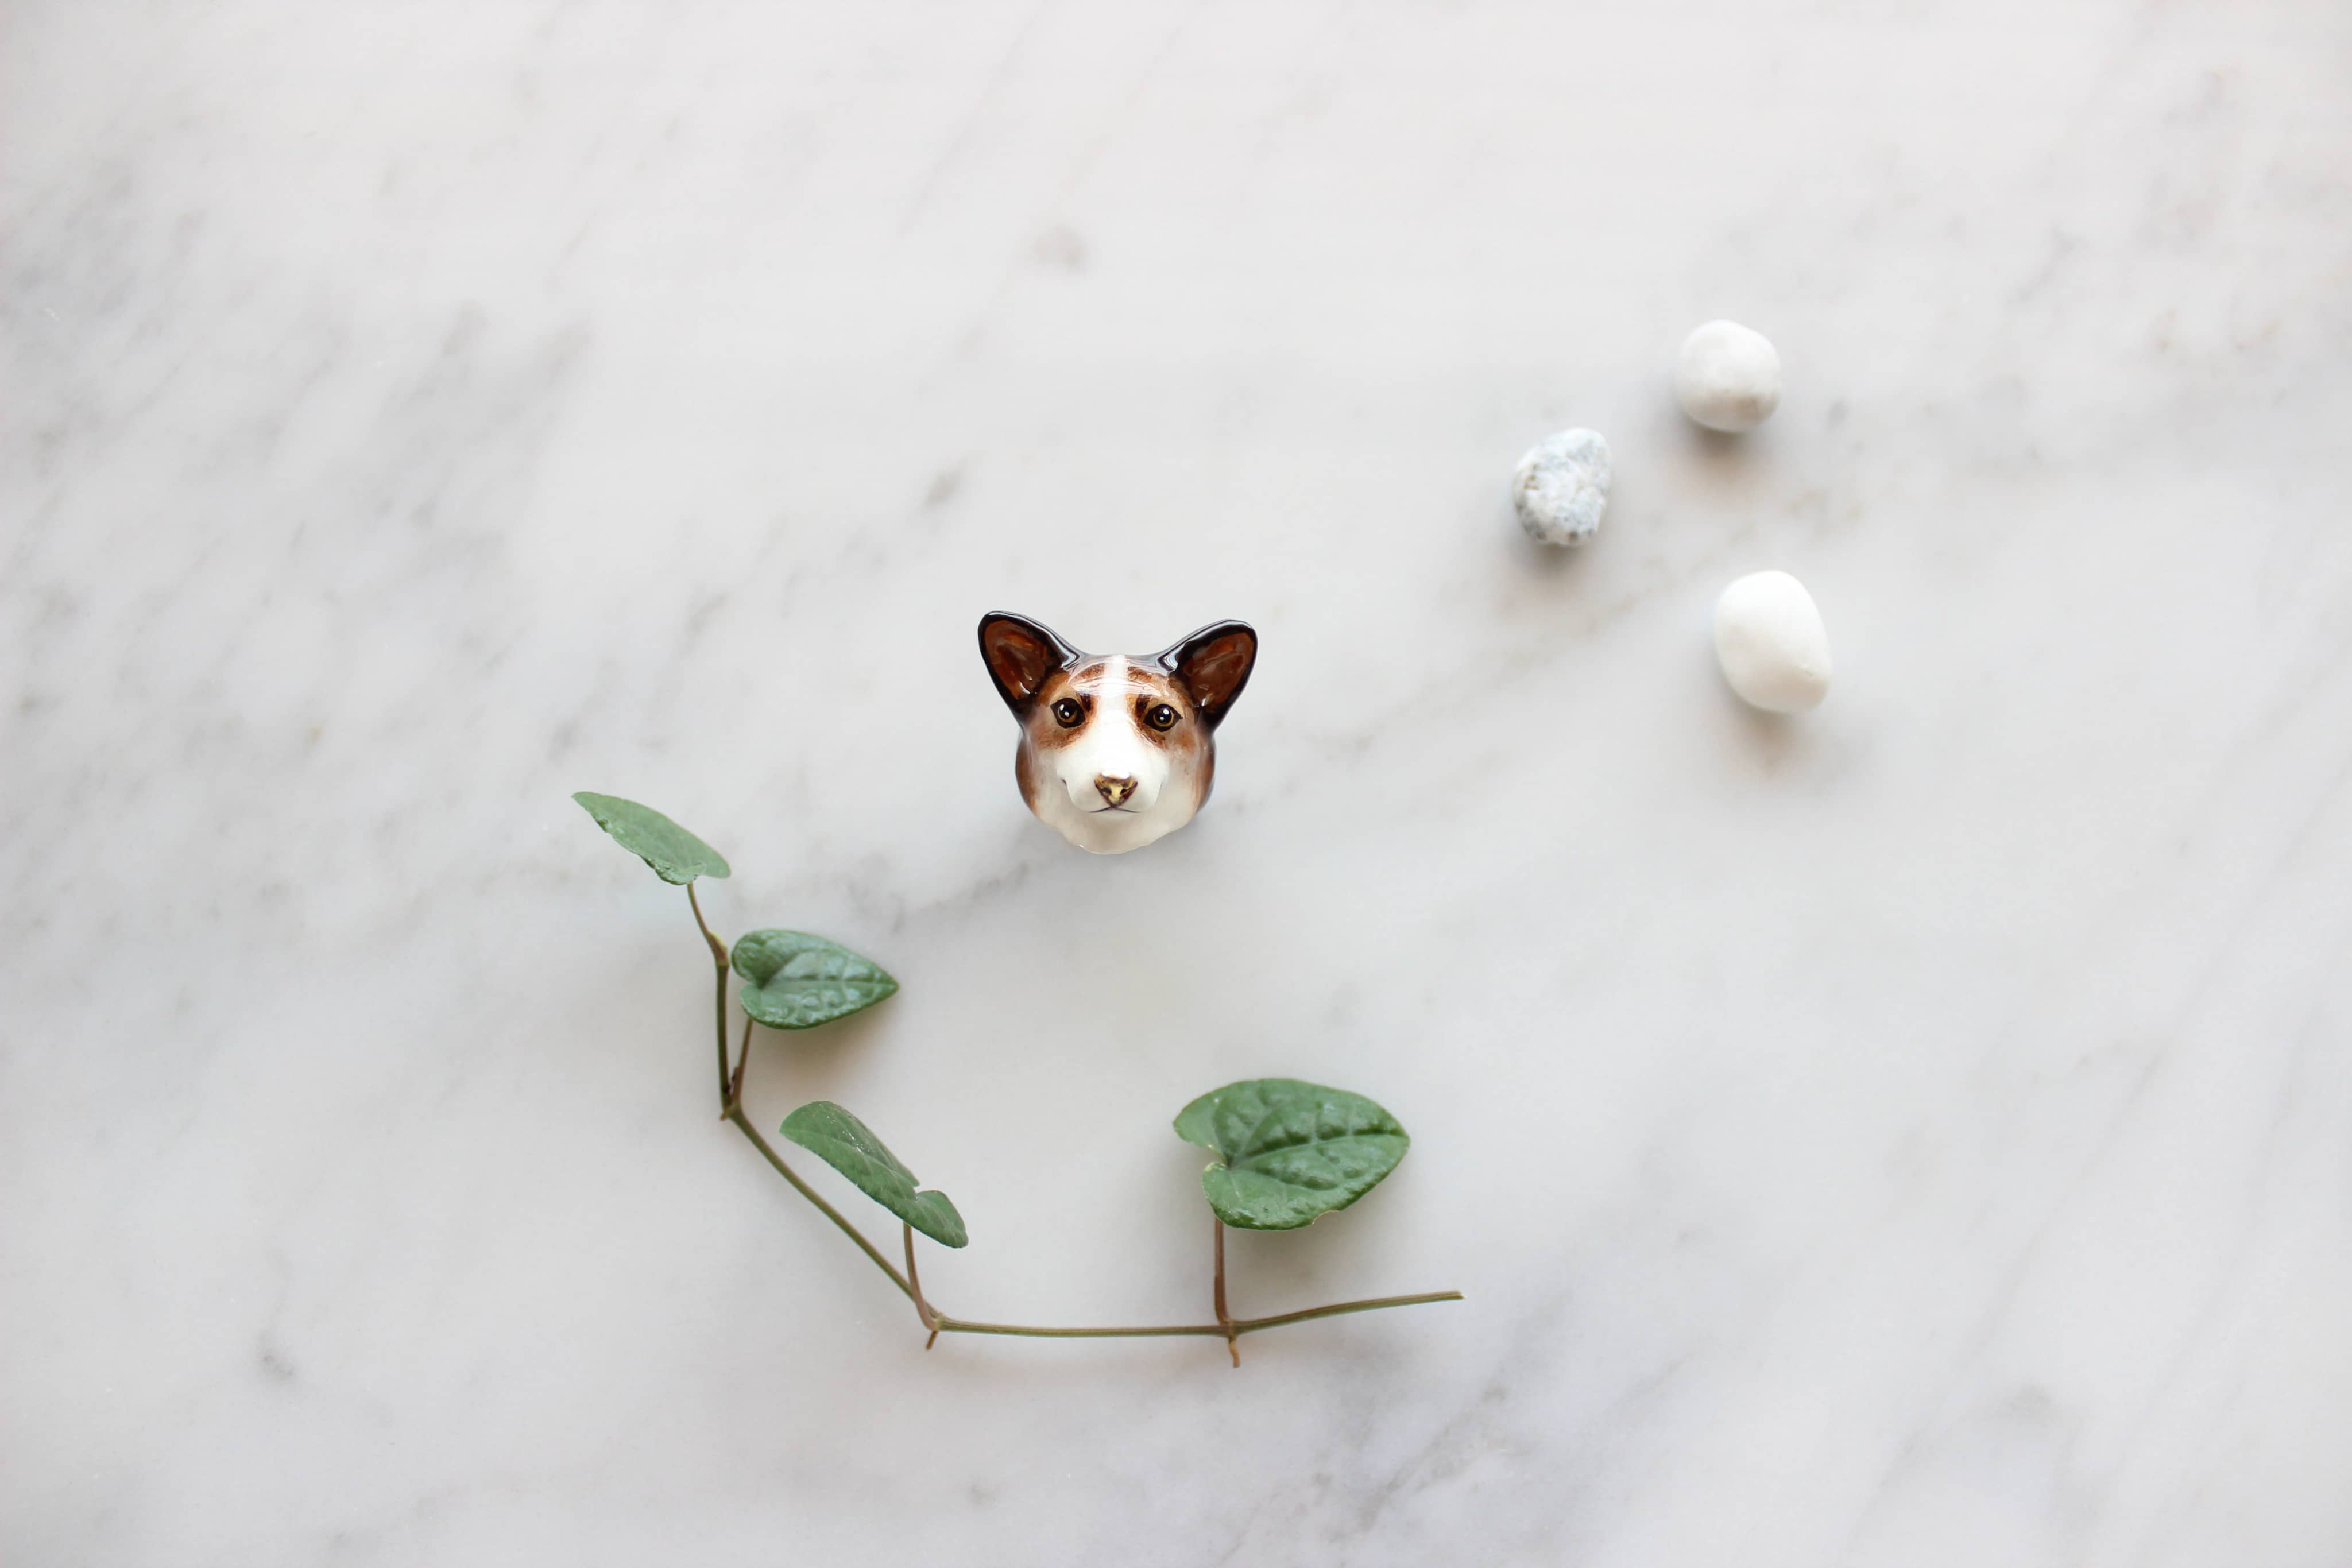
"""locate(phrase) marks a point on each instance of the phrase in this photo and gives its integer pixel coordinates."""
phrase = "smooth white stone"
(1728, 376)
(1770, 642)
(1561, 488)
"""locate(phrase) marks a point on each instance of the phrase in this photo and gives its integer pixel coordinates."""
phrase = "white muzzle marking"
(1113, 777)
(1112, 766)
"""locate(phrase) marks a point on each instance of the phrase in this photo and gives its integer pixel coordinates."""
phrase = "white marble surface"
(1918, 1134)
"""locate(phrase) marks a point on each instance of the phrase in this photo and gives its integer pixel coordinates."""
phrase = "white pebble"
(1727, 377)
(1561, 488)
(1770, 642)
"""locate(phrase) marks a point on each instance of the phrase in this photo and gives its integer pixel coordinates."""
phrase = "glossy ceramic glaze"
(1117, 751)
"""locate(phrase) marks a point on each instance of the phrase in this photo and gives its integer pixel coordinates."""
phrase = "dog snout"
(1114, 788)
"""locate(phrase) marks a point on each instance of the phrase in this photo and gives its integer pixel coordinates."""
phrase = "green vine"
(1286, 1153)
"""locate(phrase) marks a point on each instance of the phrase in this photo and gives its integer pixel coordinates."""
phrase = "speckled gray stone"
(1561, 488)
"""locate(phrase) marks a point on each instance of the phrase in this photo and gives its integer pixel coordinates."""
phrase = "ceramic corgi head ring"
(1115, 750)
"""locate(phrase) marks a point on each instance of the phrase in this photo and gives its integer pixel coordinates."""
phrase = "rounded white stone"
(1770, 642)
(1727, 377)
(1561, 488)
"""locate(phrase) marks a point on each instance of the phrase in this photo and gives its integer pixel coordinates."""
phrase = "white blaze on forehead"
(1113, 719)
(1109, 676)
(1112, 690)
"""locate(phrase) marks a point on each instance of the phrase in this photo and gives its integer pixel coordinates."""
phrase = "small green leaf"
(1289, 1152)
(675, 854)
(849, 1147)
(798, 981)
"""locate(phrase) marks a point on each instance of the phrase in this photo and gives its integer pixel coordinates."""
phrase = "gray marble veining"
(1920, 1134)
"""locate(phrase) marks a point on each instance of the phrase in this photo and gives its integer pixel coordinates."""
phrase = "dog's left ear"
(1213, 663)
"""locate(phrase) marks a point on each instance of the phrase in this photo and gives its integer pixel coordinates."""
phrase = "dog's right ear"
(1020, 655)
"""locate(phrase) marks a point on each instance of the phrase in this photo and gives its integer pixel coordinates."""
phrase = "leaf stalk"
(1217, 1296)
(922, 1307)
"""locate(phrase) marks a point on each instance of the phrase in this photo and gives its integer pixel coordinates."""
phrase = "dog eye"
(1069, 712)
(1161, 717)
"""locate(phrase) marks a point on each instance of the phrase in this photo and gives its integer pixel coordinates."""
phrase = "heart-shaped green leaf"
(1289, 1152)
(675, 854)
(849, 1147)
(798, 981)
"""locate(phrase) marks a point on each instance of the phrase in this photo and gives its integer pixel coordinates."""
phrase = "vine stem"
(735, 1083)
(1226, 1328)
(1211, 1331)
(719, 957)
(735, 1114)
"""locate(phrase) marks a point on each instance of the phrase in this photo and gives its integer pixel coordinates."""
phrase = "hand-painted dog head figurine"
(1115, 751)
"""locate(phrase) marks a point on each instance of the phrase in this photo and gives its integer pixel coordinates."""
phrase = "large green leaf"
(1289, 1152)
(798, 981)
(675, 854)
(849, 1147)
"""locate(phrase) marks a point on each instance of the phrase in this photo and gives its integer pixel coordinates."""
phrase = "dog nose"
(1114, 789)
